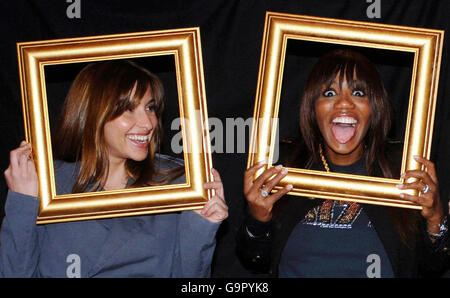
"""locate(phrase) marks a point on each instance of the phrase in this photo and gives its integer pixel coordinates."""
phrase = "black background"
(231, 36)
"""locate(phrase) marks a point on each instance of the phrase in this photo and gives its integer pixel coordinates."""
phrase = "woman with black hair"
(345, 117)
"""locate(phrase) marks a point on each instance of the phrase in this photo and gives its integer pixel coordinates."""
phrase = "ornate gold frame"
(425, 44)
(185, 45)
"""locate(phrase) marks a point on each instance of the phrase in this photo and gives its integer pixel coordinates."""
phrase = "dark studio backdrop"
(231, 37)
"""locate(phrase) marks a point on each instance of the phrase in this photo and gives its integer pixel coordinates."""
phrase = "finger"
(16, 155)
(419, 174)
(253, 169)
(417, 185)
(248, 175)
(272, 199)
(212, 185)
(264, 177)
(214, 205)
(219, 189)
(219, 212)
(417, 200)
(217, 186)
(23, 143)
(32, 167)
(7, 174)
(216, 174)
(216, 215)
(430, 168)
(25, 157)
(271, 184)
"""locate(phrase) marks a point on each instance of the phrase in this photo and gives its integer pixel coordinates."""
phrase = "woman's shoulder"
(65, 175)
(61, 165)
(170, 169)
(166, 162)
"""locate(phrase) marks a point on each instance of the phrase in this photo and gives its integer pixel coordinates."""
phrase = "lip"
(139, 140)
(345, 116)
(340, 125)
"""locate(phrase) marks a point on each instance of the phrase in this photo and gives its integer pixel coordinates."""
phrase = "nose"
(143, 120)
(344, 101)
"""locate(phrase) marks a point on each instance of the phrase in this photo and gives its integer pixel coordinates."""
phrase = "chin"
(344, 149)
(138, 157)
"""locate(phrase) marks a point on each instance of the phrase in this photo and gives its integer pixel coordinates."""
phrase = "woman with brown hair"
(345, 117)
(107, 137)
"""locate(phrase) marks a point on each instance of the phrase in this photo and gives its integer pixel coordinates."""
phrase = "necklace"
(323, 215)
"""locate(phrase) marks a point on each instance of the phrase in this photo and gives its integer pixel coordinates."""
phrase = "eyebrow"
(151, 101)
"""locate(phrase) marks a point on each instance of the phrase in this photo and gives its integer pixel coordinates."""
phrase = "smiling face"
(128, 135)
(343, 117)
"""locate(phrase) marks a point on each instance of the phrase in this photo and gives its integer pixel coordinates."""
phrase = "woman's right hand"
(21, 175)
(261, 206)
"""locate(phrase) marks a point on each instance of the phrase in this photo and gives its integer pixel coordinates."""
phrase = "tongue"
(343, 133)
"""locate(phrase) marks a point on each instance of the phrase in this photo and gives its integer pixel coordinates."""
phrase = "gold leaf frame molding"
(184, 44)
(426, 46)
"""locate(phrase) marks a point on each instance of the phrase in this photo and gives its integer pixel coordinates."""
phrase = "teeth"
(139, 138)
(345, 120)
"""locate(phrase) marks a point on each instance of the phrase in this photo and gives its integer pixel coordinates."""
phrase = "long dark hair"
(350, 64)
(101, 92)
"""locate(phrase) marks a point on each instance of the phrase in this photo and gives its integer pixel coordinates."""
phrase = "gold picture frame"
(185, 45)
(426, 46)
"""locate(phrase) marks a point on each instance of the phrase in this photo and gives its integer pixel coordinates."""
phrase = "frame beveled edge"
(426, 44)
(185, 45)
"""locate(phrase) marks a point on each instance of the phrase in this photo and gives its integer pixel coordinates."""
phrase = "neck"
(117, 175)
(344, 159)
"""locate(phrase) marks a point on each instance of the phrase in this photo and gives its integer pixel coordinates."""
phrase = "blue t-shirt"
(335, 240)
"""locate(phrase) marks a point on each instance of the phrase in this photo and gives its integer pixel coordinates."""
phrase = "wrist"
(437, 230)
(266, 217)
(433, 224)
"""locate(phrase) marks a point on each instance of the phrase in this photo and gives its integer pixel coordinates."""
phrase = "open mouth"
(139, 140)
(343, 128)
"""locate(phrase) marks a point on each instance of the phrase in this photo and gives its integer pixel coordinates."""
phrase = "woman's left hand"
(216, 210)
(428, 186)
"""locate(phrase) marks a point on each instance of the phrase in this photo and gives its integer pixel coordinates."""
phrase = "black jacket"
(262, 253)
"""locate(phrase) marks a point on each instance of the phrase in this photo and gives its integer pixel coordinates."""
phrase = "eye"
(329, 93)
(150, 108)
(358, 93)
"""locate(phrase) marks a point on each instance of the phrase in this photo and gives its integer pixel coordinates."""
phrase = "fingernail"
(399, 185)
(402, 196)
(278, 167)
(284, 171)
(289, 187)
(416, 157)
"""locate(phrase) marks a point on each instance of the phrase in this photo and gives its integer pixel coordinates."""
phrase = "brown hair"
(101, 92)
(350, 64)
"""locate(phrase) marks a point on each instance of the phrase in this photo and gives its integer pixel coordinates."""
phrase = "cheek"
(321, 110)
(120, 124)
(365, 112)
(153, 120)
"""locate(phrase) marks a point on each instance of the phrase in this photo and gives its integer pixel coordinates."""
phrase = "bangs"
(354, 68)
(354, 74)
(133, 94)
